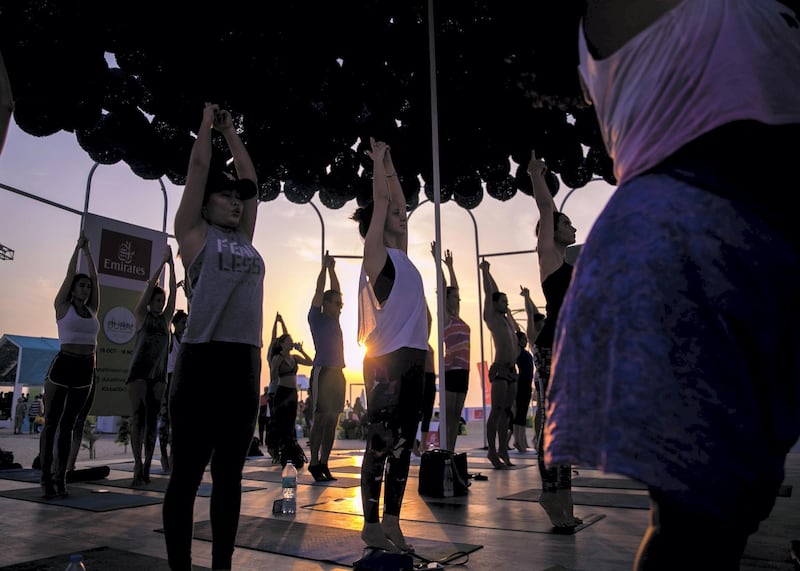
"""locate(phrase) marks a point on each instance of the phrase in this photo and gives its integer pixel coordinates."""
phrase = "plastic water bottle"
(76, 563)
(447, 487)
(289, 487)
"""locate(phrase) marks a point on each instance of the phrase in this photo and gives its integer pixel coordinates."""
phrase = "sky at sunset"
(289, 237)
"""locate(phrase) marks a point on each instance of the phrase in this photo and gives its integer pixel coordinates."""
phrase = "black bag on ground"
(440, 470)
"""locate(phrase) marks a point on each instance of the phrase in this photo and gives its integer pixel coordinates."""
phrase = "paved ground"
(513, 534)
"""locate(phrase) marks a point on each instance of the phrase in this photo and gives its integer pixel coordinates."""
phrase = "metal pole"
(437, 220)
(480, 317)
(322, 228)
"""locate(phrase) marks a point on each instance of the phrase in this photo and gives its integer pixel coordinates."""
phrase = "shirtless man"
(503, 372)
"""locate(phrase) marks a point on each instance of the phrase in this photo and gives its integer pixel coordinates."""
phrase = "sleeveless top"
(402, 320)
(554, 288)
(287, 375)
(672, 83)
(225, 292)
(149, 359)
(456, 344)
(285, 368)
(72, 328)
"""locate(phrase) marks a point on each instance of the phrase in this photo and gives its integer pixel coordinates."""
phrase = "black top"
(554, 288)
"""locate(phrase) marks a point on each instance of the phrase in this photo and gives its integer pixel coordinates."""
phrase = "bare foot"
(565, 499)
(391, 528)
(372, 535)
(504, 457)
(551, 504)
(495, 460)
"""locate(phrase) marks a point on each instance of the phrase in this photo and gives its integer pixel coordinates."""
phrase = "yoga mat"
(81, 498)
(617, 483)
(34, 476)
(785, 490)
(303, 478)
(318, 542)
(610, 499)
(98, 558)
(128, 467)
(459, 511)
(160, 485)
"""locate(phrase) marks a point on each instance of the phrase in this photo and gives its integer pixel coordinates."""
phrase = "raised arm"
(535, 318)
(332, 273)
(190, 228)
(549, 257)
(489, 289)
(388, 200)
(64, 293)
(169, 307)
(278, 319)
(319, 291)
(244, 170)
(448, 261)
(140, 311)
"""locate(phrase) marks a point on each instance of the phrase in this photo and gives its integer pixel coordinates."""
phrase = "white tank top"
(703, 64)
(402, 320)
(77, 330)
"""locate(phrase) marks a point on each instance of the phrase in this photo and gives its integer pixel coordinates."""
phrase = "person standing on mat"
(522, 399)
(534, 323)
(676, 355)
(554, 232)
(147, 372)
(214, 227)
(393, 326)
(164, 432)
(283, 364)
(327, 375)
(503, 371)
(456, 352)
(70, 378)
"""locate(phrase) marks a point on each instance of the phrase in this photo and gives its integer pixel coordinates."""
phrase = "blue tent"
(25, 360)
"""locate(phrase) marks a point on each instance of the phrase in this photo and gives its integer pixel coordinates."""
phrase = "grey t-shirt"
(226, 291)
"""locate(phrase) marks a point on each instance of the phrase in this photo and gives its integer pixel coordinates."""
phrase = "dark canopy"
(305, 81)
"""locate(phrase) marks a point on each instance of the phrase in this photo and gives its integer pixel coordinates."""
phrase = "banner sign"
(126, 257)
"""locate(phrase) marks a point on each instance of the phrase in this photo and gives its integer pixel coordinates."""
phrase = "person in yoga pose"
(221, 347)
(393, 326)
(676, 348)
(503, 371)
(70, 378)
(147, 373)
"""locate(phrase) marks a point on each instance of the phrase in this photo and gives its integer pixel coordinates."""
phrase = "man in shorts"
(503, 371)
(327, 376)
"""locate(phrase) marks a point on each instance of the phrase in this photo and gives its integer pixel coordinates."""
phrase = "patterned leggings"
(559, 477)
(394, 404)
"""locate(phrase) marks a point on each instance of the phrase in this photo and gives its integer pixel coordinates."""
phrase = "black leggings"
(213, 404)
(560, 477)
(63, 403)
(284, 417)
(428, 398)
(394, 404)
